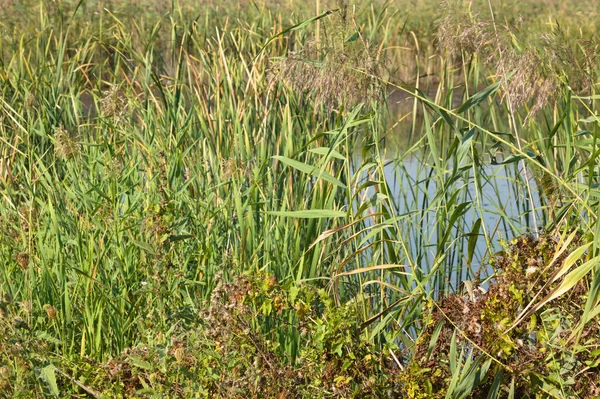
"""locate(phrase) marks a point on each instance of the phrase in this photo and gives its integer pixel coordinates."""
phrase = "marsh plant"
(340, 68)
(213, 199)
(535, 71)
(476, 331)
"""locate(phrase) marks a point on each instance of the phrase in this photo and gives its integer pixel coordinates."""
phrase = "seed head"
(65, 145)
(339, 69)
(112, 103)
(25, 306)
(460, 32)
(23, 260)
(51, 311)
(5, 375)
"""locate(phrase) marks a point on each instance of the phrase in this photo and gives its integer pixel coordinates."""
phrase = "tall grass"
(149, 153)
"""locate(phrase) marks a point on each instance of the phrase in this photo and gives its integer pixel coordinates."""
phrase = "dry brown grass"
(533, 71)
(339, 69)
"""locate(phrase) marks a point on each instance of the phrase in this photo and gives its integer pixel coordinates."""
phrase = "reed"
(168, 167)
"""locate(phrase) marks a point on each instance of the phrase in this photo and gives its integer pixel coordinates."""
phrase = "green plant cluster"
(542, 356)
(207, 199)
(232, 350)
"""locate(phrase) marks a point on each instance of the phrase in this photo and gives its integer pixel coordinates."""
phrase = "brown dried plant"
(339, 69)
(113, 103)
(533, 72)
(66, 145)
(461, 32)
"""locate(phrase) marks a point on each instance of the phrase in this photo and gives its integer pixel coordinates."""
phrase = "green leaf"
(434, 338)
(48, 338)
(309, 170)
(572, 278)
(293, 293)
(301, 25)
(338, 349)
(181, 237)
(470, 379)
(145, 246)
(589, 119)
(478, 97)
(327, 151)
(458, 212)
(453, 355)
(310, 214)
(472, 244)
(140, 363)
(266, 307)
(48, 375)
(511, 392)
(569, 282)
(571, 260)
(495, 388)
(352, 38)
(512, 159)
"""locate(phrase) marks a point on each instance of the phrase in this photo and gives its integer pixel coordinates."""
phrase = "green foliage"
(536, 357)
(210, 199)
(234, 350)
(251, 320)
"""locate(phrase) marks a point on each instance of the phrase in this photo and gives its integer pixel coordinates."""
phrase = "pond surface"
(497, 209)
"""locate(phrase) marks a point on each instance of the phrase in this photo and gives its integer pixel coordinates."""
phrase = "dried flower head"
(114, 168)
(4, 373)
(155, 228)
(65, 145)
(28, 101)
(25, 306)
(339, 69)
(533, 73)
(23, 260)
(50, 311)
(230, 167)
(460, 32)
(526, 79)
(112, 103)
(538, 73)
(27, 217)
(179, 354)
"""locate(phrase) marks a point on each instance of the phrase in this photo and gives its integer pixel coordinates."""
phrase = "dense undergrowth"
(291, 200)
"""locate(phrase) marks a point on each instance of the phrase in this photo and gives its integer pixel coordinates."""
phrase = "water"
(501, 207)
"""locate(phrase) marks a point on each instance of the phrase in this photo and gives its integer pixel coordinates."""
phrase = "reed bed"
(285, 199)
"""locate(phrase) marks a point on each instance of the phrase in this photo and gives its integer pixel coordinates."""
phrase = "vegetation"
(296, 199)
